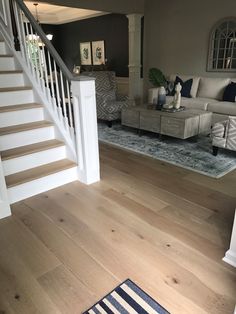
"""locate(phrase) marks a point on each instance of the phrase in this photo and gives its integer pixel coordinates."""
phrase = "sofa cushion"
(193, 103)
(230, 92)
(212, 87)
(223, 107)
(186, 87)
(195, 83)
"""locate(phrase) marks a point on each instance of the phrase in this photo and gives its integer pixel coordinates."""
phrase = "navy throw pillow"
(230, 92)
(186, 87)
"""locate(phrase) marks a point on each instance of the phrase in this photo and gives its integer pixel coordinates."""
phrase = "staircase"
(48, 121)
(34, 158)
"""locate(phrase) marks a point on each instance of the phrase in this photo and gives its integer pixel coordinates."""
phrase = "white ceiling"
(53, 14)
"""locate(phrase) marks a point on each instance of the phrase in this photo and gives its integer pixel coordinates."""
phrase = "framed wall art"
(98, 51)
(85, 53)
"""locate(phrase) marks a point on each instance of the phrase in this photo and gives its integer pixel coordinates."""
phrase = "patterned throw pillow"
(186, 87)
(230, 92)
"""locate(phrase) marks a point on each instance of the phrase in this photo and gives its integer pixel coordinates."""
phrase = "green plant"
(157, 78)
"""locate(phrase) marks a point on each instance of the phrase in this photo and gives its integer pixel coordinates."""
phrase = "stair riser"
(7, 64)
(30, 161)
(26, 137)
(11, 80)
(31, 188)
(16, 97)
(21, 116)
(3, 50)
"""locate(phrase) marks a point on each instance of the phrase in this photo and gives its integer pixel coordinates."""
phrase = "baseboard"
(230, 258)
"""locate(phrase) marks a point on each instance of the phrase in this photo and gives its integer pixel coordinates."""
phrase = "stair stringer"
(45, 99)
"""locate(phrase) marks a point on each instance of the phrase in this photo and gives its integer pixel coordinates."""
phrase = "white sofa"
(207, 94)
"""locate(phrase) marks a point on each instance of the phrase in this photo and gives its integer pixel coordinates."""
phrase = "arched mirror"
(222, 48)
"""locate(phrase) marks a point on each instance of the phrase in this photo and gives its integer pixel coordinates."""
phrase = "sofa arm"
(219, 129)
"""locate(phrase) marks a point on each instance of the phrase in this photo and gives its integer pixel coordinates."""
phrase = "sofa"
(207, 94)
(109, 103)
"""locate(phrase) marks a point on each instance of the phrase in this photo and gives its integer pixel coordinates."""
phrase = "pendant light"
(49, 36)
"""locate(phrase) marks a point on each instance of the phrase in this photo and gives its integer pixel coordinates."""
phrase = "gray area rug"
(194, 155)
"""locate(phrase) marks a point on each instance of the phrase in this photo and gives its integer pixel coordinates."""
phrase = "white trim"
(5, 210)
(230, 255)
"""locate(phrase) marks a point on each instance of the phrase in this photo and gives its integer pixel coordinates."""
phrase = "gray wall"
(115, 6)
(177, 34)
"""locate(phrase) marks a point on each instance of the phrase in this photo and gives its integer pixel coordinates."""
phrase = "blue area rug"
(127, 298)
(196, 156)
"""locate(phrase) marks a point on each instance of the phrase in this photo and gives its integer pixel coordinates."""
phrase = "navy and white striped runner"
(127, 298)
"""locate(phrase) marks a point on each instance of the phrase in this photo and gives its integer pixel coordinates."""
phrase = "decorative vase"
(153, 95)
(161, 98)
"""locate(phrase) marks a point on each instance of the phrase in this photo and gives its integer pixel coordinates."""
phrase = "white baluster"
(52, 88)
(69, 105)
(57, 91)
(26, 24)
(64, 102)
(33, 53)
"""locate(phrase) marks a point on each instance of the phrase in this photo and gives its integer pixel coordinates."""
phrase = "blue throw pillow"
(230, 92)
(186, 87)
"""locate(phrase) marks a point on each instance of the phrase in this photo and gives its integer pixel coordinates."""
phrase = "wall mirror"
(222, 46)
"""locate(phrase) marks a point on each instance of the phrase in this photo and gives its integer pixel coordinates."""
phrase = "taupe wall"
(114, 6)
(177, 34)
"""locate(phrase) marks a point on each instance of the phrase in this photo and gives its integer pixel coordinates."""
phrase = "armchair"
(224, 135)
(109, 103)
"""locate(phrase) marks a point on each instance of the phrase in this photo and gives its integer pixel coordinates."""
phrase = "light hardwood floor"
(164, 227)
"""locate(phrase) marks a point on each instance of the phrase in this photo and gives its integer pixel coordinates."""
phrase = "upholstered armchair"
(224, 135)
(109, 103)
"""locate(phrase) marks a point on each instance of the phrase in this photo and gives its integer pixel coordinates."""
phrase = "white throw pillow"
(211, 87)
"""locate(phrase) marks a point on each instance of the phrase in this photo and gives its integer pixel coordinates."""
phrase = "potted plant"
(157, 94)
(157, 78)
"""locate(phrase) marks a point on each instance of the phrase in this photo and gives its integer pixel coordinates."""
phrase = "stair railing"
(45, 64)
(70, 100)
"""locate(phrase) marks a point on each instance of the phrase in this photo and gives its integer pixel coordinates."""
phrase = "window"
(222, 48)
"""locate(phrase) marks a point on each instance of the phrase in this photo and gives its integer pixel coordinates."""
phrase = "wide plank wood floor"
(164, 227)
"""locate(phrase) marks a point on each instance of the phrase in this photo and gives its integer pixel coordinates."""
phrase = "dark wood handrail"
(45, 40)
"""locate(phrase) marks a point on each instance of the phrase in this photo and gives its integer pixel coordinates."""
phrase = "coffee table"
(183, 124)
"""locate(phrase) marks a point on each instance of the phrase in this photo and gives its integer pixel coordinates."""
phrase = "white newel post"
(4, 203)
(135, 82)
(230, 255)
(85, 116)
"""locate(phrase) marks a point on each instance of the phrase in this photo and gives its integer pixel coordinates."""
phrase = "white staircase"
(48, 121)
(34, 156)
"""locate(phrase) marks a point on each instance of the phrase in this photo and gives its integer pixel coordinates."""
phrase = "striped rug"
(127, 298)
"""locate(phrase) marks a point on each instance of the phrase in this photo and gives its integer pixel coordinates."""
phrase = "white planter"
(153, 95)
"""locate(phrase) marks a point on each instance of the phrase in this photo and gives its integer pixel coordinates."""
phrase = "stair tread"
(24, 127)
(29, 149)
(14, 89)
(38, 172)
(11, 72)
(19, 107)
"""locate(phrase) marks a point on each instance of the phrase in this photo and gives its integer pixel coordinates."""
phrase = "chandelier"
(35, 37)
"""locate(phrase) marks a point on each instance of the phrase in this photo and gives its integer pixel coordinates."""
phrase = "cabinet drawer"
(172, 127)
(130, 118)
(150, 122)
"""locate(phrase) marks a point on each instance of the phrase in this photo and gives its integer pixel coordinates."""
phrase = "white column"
(230, 255)
(85, 116)
(135, 82)
(4, 203)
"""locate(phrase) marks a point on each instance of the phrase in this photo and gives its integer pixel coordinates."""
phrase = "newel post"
(85, 116)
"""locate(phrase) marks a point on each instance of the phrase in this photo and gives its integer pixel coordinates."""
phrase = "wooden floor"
(164, 227)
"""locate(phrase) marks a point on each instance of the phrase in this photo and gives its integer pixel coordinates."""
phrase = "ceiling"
(53, 14)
